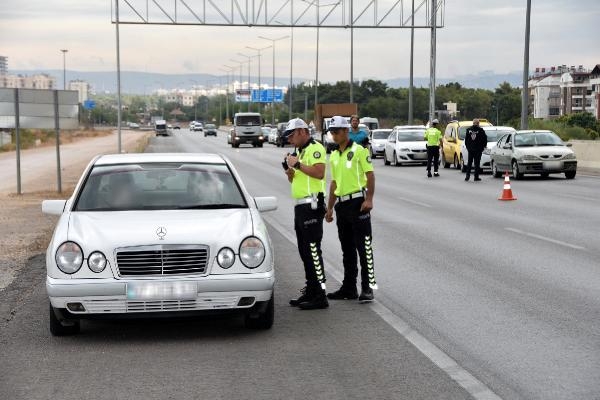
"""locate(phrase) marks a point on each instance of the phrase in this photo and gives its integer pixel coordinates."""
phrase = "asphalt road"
(511, 290)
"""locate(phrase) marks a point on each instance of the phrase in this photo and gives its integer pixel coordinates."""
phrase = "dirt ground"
(25, 230)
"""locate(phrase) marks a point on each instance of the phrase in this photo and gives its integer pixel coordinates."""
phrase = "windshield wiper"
(211, 206)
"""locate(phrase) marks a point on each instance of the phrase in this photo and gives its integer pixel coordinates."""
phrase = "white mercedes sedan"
(159, 235)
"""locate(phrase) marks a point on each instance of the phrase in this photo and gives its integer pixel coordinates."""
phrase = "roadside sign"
(89, 104)
(266, 95)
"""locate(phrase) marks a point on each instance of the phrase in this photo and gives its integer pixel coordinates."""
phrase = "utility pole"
(432, 61)
(525, 94)
(64, 51)
(273, 83)
(258, 50)
(412, 55)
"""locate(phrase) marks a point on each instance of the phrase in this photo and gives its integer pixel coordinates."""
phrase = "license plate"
(162, 290)
(420, 156)
(552, 164)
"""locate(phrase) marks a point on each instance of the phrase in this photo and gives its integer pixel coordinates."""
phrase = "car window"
(494, 134)
(248, 120)
(448, 131)
(210, 126)
(548, 139)
(411, 136)
(392, 137)
(159, 186)
(380, 134)
(462, 132)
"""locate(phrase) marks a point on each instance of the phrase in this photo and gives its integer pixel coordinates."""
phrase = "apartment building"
(561, 90)
(38, 81)
(82, 88)
(3, 65)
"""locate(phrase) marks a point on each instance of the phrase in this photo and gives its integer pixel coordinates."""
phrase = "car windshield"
(381, 134)
(248, 120)
(494, 134)
(411, 136)
(159, 186)
(537, 139)
(210, 126)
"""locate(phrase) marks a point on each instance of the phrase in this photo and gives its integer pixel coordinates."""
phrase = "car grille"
(119, 306)
(162, 260)
(551, 156)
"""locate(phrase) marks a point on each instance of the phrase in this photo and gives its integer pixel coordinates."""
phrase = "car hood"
(110, 230)
(412, 145)
(379, 141)
(544, 150)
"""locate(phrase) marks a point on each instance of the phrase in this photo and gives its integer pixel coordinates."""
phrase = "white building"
(82, 87)
(39, 81)
(3, 65)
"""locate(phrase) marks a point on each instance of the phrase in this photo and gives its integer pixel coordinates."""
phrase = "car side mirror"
(53, 207)
(266, 203)
(507, 146)
(569, 144)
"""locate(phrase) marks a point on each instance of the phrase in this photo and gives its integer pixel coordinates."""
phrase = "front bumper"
(547, 166)
(110, 296)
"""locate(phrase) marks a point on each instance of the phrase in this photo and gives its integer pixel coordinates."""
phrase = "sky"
(478, 36)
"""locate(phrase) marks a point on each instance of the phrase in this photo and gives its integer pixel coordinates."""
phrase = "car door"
(505, 151)
(447, 143)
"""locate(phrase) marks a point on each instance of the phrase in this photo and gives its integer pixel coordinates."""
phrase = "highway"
(478, 298)
(510, 290)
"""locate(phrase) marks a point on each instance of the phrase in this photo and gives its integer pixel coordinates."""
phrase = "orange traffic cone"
(507, 192)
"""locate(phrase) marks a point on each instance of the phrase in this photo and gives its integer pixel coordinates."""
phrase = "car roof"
(410, 127)
(482, 122)
(497, 128)
(382, 129)
(130, 158)
(535, 131)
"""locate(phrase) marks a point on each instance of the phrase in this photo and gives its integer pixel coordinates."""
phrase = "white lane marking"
(417, 203)
(572, 196)
(547, 239)
(462, 377)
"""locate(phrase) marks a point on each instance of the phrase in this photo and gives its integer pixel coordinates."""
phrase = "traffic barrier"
(507, 192)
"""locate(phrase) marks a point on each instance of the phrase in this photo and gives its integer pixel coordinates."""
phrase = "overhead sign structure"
(266, 96)
(242, 95)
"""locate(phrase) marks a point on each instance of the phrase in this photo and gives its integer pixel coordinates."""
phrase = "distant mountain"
(146, 82)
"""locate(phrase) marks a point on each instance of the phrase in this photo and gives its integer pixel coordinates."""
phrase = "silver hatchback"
(533, 152)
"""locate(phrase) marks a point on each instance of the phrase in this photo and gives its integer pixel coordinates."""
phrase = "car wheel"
(463, 167)
(396, 162)
(545, 174)
(570, 174)
(373, 156)
(456, 163)
(259, 145)
(495, 172)
(62, 328)
(515, 171)
(265, 319)
(385, 160)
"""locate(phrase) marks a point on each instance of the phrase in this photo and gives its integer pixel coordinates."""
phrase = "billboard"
(36, 108)
(242, 95)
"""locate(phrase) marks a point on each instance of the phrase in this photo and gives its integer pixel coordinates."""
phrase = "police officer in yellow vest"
(352, 187)
(306, 172)
(433, 136)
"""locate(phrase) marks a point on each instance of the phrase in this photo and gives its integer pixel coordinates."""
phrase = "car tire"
(385, 160)
(570, 174)
(495, 172)
(463, 167)
(515, 171)
(396, 163)
(456, 163)
(265, 319)
(259, 145)
(545, 174)
(445, 164)
(57, 328)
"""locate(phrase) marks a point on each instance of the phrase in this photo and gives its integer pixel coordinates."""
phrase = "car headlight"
(407, 150)
(252, 252)
(69, 257)
(529, 157)
(570, 156)
(97, 262)
(226, 257)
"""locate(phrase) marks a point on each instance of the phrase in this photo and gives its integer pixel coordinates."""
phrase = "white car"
(493, 133)
(273, 136)
(159, 234)
(405, 146)
(379, 138)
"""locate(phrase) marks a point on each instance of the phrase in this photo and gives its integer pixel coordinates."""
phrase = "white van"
(247, 129)
(371, 123)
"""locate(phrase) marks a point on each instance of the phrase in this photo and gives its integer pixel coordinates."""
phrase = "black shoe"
(366, 295)
(303, 297)
(436, 174)
(318, 301)
(429, 174)
(477, 179)
(343, 294)
(467, 178)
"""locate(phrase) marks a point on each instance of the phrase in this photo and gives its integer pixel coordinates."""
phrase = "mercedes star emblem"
(161, 232)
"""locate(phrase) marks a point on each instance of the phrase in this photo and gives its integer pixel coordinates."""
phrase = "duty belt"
(351, 196)
(307, 199)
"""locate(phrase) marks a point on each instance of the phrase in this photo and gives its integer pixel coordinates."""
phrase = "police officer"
(352, 187)
(306, 172)
(433, 136)
(475, 142)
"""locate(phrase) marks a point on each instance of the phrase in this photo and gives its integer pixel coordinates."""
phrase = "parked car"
(452, 140)
(406, 146)
(533, 152)
(493, 133)
(378, 140)
(159, 235)
(210, 129)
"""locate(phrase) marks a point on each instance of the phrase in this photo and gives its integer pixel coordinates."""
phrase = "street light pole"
(412, 55)
(241, 63)
(291, 71)
(259, 50)
(273, 83)
(351, 51)
(249, 90)
(64, 51)
(228, 70)
(432, 61)
(525, 94)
